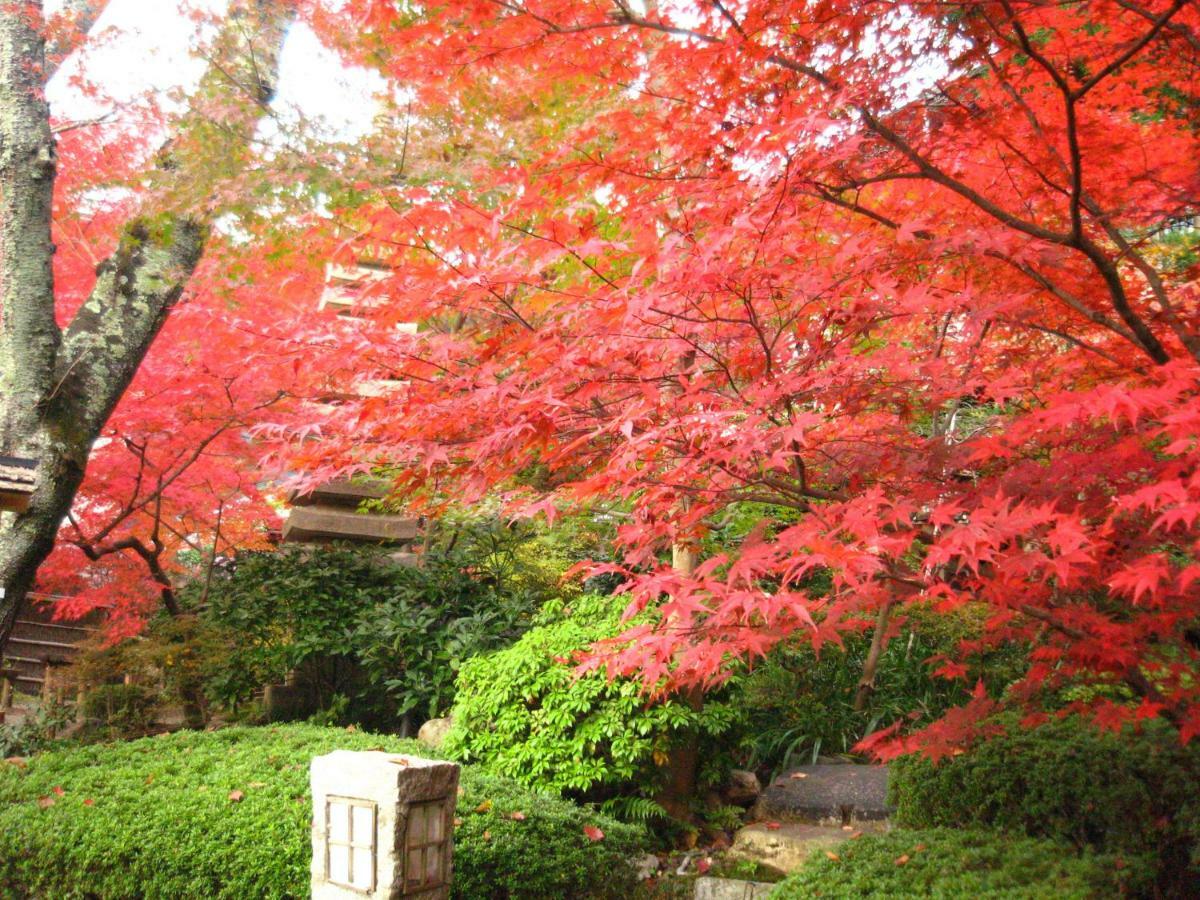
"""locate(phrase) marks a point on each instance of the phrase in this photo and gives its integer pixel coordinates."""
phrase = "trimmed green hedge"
(959, 864)
(1132, 794)
(157, 818)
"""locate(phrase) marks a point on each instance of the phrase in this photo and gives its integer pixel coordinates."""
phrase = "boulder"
(647, 866)
(433, 732)
(731, 889)
(784, 847)
(827, 794)
(741, 788)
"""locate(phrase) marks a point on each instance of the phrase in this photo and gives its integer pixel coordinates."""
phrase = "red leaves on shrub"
(593, 833)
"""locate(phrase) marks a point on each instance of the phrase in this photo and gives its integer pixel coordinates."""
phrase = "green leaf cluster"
(389, 637)
(525, 712)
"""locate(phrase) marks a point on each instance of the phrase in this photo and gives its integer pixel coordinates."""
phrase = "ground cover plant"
(227, 814)
(952, 863)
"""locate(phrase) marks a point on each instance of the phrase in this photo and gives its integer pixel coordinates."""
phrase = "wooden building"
(18, 478)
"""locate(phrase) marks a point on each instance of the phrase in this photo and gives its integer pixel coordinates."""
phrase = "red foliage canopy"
(921, 273)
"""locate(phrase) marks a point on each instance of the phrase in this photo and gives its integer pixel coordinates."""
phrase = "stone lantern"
(383, 826)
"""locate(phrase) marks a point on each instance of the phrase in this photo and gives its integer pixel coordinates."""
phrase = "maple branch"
(1135, 48)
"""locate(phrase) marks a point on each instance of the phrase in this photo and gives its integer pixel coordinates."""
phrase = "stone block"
(382, 826)
(784, 847)
(827, 794)
(731, 889)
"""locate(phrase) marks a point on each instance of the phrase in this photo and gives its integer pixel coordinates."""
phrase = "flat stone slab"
(730, 889)
(784, 846)
(827, 794)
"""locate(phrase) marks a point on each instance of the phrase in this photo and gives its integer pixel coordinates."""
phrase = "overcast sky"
(148, 45)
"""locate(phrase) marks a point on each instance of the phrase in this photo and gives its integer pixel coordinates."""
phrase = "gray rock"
(742, 788)
(433, 732)
(827, 795)
(784, 847)
(731, 889)
(647, 866)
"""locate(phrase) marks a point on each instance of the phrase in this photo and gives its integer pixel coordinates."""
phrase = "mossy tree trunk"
(59, 385)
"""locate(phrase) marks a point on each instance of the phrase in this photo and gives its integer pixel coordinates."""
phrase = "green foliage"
(954, 864)
(123, 710)
(800, 703)
(525, 713)
(1124, 793)
(35, 732)
(391, 638)
(634, 809)
(154, 818)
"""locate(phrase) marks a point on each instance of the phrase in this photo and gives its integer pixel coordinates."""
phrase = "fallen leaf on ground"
(518, 815)
(58, 790)
(593, 833)
(45, 802)
(484, 806)
(902, 859)
(832, 855)
(772, 826)
(236, 796)
(88, 802)
(704, 865)
(798, 775)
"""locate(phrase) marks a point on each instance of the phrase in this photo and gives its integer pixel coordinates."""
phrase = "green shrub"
(124, 709)
(35, 732)
(524, 712)
(351, 622)
(800, 704)
(1127, 793)
(155, 818)
(956, 864)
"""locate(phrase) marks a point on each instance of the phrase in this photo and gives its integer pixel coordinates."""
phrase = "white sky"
(142, 46)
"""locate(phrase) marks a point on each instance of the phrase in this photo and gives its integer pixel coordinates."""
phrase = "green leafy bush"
(156, 818)
(956, 864)
(524, 711)
(351, 622)
(36, 731)
(122, 710)
(1127, 793)
(800, 704)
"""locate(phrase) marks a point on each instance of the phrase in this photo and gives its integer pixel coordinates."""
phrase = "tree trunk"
(866, 684)
(57, 389)
(683, 761)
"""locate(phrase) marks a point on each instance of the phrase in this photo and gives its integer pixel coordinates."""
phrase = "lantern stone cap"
(381, 776)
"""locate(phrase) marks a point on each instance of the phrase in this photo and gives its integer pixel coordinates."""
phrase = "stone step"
(827, 794)
(785, 846)
(730, 889)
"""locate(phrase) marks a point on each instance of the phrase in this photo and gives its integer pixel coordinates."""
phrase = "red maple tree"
(922, 274)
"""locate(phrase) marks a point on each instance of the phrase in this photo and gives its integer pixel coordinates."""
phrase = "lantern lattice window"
(425, 846)
(350, 843)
